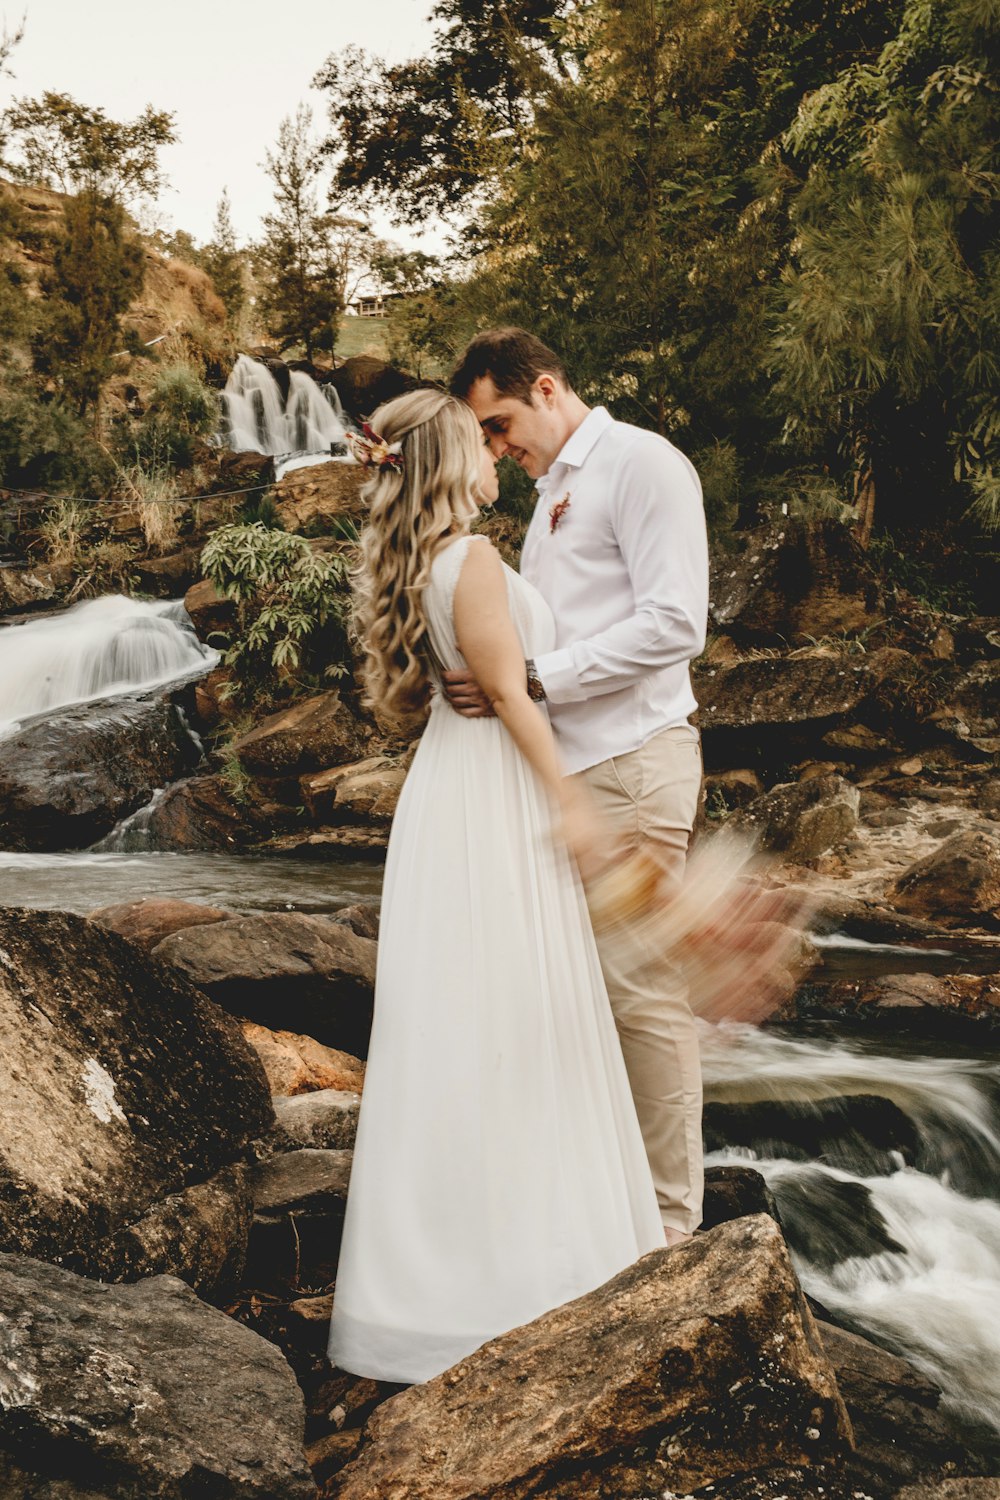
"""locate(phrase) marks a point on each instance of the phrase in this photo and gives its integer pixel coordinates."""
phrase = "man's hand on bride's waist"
(466, 696)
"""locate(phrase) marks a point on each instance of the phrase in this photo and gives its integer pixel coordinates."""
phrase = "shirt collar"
(577, 446)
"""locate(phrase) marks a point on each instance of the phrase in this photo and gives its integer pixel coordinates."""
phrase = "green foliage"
(43, 444)
(222, 260)
(74, 148)
(286, 593)
(260, 508)
(181, 409)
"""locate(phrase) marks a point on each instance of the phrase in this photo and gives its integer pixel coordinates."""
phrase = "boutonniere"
(557, 511)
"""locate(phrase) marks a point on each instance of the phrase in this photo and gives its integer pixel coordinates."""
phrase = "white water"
(254, 416)
(938, 1302)
(96, 649)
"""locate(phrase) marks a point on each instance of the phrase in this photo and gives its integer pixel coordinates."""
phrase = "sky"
(229, 69)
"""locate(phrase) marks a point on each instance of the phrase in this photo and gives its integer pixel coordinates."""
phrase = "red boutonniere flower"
(557, 511)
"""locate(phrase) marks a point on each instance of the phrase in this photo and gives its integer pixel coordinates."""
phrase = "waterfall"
(255, 415)
(900, 1242)
(95, 650)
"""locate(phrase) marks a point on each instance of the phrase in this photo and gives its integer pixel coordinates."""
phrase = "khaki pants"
(650, 796)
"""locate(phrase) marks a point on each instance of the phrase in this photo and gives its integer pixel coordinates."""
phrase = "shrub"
(44, 445)
(285, 594)
(180, 410)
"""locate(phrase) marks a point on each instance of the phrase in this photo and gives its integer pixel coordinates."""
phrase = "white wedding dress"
(499, 1169)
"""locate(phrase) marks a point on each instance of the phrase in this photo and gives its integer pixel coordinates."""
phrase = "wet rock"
(308, 1179)
(310, 736)
(802, 819)
(211, 703)
(829, 1219)
(68, 778)
(211, 614)
(128, 1103)
(795, 581)
(673, 1374)
(23, 589)
(957, 883)
(311, 972)
(735, 1193)
(300, 1064)
(900, 1433)
(960, 1007)
(364, 383)
(201, 813)
(326, 1119)
(367, 790)
(860, 1133)
(151, 919)
(140, 1390)
(170, 577)
(299, 1201)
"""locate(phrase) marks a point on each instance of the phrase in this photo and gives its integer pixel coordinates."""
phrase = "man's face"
(531, 435)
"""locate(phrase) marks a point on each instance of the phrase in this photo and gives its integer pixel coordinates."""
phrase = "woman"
(499, 1169)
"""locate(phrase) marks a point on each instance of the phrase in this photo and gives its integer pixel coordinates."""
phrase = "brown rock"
(674, 1374)
(364, 920)
(976, 699)
(726, 790)
(364, 383)
(310, 971)
(201, 813)
(211, 703)
(368, 790)
(320, 495)
(310, 736)
(802, 819)
(169, 577)
(794, 582)
(307, 1180)
(951, 1489)
(210, 613)
(324, 1119)
(957, 882)
(956, 1004)
(299, 1064)
(151, 919)
(32, 588)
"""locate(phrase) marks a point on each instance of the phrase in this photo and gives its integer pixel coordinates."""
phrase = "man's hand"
(466, 696)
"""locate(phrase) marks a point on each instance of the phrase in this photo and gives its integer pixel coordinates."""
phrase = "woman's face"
(489, 481)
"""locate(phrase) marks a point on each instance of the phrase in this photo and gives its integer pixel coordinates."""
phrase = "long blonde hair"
(412, 513)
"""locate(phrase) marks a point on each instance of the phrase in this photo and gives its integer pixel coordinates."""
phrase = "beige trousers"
(650, 797)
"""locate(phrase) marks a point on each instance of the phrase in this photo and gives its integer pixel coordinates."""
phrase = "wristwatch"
(536, 691)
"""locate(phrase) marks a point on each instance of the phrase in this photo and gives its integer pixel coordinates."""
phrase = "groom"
(617, 548)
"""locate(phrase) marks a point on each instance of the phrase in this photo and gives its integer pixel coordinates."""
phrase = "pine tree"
(222, 260)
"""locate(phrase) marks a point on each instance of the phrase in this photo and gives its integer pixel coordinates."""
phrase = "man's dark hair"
(512, 358)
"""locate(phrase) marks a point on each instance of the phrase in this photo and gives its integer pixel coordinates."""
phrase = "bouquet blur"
(741, 942)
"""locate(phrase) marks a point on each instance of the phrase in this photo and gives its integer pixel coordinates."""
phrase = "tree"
(888, 342)
(300, 297)
(423, 136)
(74, 148)
(222, 260)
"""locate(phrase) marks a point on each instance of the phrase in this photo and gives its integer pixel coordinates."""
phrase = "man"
(617, 548)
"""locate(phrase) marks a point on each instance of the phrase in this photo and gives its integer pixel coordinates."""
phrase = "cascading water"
(895, 1229)
(96, 649)
(256, 417)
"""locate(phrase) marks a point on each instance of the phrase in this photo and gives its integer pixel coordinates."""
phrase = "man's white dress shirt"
(625, 573)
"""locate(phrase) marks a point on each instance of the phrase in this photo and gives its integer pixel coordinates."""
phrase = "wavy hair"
(412, 512)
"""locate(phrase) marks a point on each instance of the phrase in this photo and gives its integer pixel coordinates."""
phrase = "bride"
(499, 1168)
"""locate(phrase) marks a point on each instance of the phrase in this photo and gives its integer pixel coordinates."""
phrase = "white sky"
(229, 69)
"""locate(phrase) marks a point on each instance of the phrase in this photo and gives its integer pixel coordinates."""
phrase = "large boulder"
(958, 883)
(23, 589)
(310, 736)
(794, 582)
(116, 1392)
(309, 972)
(801, 819)
(364, 383)
(68, 778)
(300, 1064)
(200, 813)
(321, 495)
(676, 1373)
(960, 1007)
(211, 612)
(325, 1120)
(169, 577)
(128, 1105)
(367, 790)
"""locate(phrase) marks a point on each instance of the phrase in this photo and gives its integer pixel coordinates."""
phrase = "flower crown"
(372, 451)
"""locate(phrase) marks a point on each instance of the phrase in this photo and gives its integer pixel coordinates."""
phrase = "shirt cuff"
(559, 676)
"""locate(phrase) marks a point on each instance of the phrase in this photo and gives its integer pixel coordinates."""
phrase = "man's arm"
(659, 524)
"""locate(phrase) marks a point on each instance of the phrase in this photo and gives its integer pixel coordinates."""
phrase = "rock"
(899, 1431)
(364, 920)
(127, 1102)
(200, 813)
(956, 883)
(863, 1134)
(211, 704)
(951, 1489)
(726, 790)
(673, 1374)
(735, 1193)
(326, 1119)
(211, 614)
(300, 1065)
(310, 971)
(364, 383)
(367, 790)
(963, 1007)
(149, 920)
(169, 577)
(24, 589)
(314, 497)
(299, 1201)
(976, 699)
(347, 841)
(140, 1391)
(802, 819)
(310, 736)
(795, 581)
(68, 778)
(303, 1180)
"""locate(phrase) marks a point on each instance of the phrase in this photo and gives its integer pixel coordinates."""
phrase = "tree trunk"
(864, 494)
